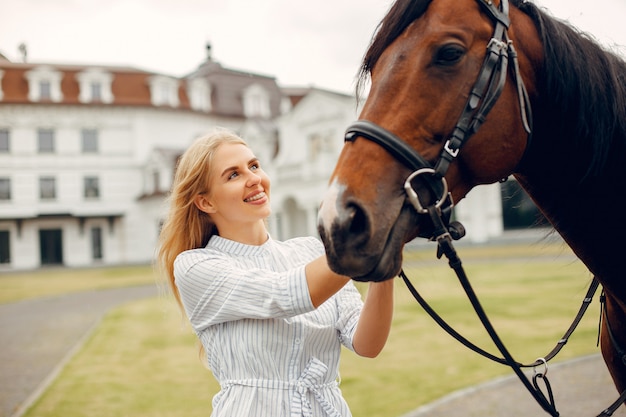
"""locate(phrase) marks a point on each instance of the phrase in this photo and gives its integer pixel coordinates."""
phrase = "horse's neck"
(587, 217)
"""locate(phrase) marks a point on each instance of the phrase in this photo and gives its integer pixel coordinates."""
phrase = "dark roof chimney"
(23, 51)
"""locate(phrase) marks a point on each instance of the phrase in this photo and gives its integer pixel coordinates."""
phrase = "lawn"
(142, 360)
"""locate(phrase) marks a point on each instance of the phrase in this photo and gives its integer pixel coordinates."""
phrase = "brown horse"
(453, 86)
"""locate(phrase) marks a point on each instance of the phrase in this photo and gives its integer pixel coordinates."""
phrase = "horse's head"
(424, 61)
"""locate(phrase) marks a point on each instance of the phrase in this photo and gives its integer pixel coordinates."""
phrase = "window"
(90, 140)
(156, 181)
(4, 140)
(315, 145)
(95, 86)
(5, 189)
(45, 90)
(163, 94)
(44, 83)
(320, 144)
(96, 243)
(5, 249)
(96, 91)
(47, 188)
(256, 102)
(164, 91)
(92, 187)
(199, 92)
(45, 140)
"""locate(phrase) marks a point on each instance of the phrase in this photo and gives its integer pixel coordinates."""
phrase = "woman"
(271, 316)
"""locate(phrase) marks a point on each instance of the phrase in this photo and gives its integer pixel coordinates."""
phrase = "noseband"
(483, 96)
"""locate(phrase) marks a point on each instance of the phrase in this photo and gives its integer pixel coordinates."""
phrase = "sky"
(301, 43)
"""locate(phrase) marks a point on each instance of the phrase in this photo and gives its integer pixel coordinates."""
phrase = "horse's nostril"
(358, 225)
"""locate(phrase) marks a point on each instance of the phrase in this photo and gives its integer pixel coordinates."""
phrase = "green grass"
(143, 359)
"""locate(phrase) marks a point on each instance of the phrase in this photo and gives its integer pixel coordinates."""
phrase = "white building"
(88, 153)
(310, 140)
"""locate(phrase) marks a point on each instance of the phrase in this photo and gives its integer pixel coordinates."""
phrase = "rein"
(446, 248)
(483, 96)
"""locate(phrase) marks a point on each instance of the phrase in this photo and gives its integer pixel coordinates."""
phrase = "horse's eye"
(449, 54)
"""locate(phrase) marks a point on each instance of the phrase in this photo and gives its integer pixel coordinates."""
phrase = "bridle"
(484, 94)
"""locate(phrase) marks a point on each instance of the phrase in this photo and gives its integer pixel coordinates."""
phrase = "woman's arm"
(375, 320)
(322, 281)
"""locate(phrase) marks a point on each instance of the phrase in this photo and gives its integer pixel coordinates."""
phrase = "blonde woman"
(271, 316)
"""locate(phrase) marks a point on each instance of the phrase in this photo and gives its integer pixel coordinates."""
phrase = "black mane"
(401, 14)
(582, 88)
(583, 92)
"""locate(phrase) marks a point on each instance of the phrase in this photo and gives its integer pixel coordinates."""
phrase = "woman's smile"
(256, 197)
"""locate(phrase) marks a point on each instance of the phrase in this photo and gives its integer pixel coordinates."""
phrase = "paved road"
(582, 388)
(38, 336)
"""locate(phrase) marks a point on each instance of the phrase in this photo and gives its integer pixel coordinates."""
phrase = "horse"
(470, 92)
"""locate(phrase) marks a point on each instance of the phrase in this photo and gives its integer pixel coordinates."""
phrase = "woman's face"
(239, 188)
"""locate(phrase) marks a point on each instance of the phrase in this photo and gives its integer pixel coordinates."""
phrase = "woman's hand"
(375, 321)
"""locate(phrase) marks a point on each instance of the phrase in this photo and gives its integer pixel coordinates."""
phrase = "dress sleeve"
(349, 305)
(213, 290)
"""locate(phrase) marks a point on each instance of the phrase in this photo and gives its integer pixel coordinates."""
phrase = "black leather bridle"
(484, 94)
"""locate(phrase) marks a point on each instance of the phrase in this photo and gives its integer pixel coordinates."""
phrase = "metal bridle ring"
(414, 198)
(543, 362)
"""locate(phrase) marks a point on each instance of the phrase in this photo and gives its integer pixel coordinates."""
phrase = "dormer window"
(256, 102)
(199, 93)
(44, 84)
(95, 86)
(96, 91)
(45, 93)
(164, 91)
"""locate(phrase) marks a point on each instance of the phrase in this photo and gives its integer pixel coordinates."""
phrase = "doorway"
(51, 246)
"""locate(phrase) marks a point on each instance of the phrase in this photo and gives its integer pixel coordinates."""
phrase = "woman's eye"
(449, 54)
(233, 175)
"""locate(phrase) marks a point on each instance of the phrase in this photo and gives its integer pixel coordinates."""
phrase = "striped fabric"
(273, 354)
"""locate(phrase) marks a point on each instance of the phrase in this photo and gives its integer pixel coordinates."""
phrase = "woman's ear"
(203, 204)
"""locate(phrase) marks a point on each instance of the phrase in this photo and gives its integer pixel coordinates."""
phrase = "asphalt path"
(582, 387)
(39, 336)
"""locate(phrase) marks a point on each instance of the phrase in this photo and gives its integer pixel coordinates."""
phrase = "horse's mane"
(401, 14)
(584, 88)
(583, 84)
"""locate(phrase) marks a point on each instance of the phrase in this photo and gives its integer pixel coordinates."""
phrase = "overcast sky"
(315, 42)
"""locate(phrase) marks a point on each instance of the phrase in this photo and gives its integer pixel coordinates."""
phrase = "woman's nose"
(253, 178)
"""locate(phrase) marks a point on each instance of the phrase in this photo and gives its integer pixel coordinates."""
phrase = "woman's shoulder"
(303, 241)
(298, 249)
(194, 256)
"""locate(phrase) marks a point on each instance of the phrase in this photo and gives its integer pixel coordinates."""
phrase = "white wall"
(127, 136)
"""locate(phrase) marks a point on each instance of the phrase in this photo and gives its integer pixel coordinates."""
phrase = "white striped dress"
(273, 354)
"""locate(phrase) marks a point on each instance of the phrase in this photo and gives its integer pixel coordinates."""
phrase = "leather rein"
(484, 94)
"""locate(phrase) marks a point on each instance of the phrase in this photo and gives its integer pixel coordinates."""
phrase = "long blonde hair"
(186, 227)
